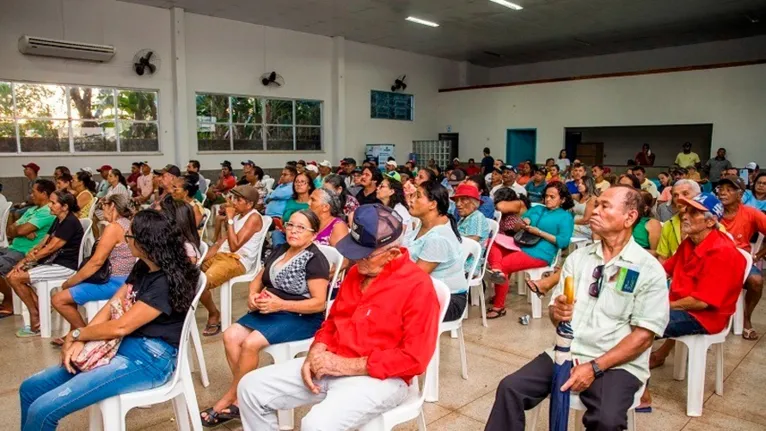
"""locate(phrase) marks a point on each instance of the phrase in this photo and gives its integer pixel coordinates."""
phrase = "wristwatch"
(230, 222)
(75, 334)
(596, 370)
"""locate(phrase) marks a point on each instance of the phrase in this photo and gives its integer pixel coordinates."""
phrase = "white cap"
(312, 168)
(87, 169)
(751, 166)
(325, 163)
(391, 162)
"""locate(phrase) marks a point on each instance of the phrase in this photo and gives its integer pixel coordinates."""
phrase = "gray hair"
(331, 198)
(709, 216)
(692, 184)
(121, 204)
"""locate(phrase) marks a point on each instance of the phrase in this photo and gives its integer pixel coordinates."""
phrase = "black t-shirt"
(69, 230)
(292, 282)
(372, 198)
(152, 289)
(487, 163)
(243, 181)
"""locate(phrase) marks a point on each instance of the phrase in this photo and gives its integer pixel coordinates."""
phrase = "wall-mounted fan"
(272, 79)
(146, 62)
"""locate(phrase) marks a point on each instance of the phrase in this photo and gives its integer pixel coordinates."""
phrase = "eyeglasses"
(301, 183)
(129, 236)
(595, 288)
(298, 228)
(374, 255)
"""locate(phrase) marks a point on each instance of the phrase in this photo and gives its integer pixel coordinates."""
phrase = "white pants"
(344, 402)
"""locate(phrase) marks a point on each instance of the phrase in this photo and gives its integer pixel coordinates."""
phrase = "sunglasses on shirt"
(598, 275)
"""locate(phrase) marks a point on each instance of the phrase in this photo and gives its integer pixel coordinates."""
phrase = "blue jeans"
(87, 292)
(48, 396)
(682, 323)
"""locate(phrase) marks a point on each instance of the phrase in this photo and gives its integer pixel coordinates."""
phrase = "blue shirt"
(475, 225)
(750, 200)
(558, 222)
(572, 187)
(276, 201)
(440, 245)
(487, 208)
(535, 193)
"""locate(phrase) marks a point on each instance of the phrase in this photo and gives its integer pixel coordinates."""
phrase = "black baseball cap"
(248, 162)
(374, 226)
(349, 160)
(171, 169)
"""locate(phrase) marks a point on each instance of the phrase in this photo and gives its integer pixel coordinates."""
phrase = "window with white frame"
(246, 123)
(53, 118)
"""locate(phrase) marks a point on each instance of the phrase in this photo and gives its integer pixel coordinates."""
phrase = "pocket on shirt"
(614, 304)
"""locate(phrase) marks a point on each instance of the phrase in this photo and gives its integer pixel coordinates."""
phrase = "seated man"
(25, 234)
(380, 333)
(277, 201)
(702, 296)
(621, 303)
(226, 181)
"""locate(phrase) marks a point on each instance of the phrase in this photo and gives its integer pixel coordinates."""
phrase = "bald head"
(617, 210)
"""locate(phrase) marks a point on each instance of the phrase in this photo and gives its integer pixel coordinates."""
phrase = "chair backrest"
(207, 181)
(443, 295)
(5, 212)
(334, 257)
(494, 229)
(268, 183)
(266, 220)
(748, 263)
(471, 248)
(206, 214)
(190, 320)
(87, 226)
(92, 209)
(203, 249)
(498, 215)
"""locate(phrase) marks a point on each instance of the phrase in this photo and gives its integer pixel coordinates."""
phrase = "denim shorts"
(682, 323)
(87, 292)
(282, 327)
(754, 270)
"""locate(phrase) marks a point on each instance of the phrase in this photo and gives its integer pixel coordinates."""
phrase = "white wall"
(732, 99)
(734, 50)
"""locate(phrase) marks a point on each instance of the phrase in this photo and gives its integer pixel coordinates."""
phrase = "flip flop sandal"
(644, 409)
(534, 288)
(212, 418)
(749, 334)
(211, 330)
(498, 313)
(232, 414)
(496, 277)
(58, 342)
(27, 332)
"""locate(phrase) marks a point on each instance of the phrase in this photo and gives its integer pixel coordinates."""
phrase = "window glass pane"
(91, 103)
(94, 136)
(308, 139)
(213, 105)
(245, 110)
(279, 138)
(214, 138)
(44, 136)
(6, 100)
(137, 105)
(40, 101)
(7, 136)
(248, 138)
(138, 137)
(278, 112)
(308, 113)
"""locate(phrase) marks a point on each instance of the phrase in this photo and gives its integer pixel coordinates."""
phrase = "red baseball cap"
(32, 166)
(104, 168)
(466, 191)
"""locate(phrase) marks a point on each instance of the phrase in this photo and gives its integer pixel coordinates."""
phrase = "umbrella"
(562, 366)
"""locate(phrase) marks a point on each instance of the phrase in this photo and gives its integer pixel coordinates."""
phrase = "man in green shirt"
(25, 233)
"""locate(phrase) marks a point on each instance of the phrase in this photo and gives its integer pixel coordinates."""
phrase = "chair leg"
(197, 343)
(537, 306)
(463, 357)
(225, 305)
(696, 379)
(192, 408)
(431, 388)
(182, 414)
(739, 314)
(475, 295)
(520, 288)
(286, 419)
(579, 426)
(483, 305)
(632, 420)
(453, 334)
(44, 302)
(95, 423)
(17, 304)
(532, 416)
(421, 421)
(113, 417)
(718, 351)
(679, 361)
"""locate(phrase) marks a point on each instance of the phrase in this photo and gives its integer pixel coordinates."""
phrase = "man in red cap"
(103, 186)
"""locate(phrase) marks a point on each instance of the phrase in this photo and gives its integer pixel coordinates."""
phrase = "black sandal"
(212, 418)
(212, 329)
(496, 277)
(232, 414)
(498, 313)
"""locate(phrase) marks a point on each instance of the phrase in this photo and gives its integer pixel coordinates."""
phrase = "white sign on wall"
(205, 124)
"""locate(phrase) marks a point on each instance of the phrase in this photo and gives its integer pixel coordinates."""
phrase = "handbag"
(102, 275)
(100, 352)
(526, 239)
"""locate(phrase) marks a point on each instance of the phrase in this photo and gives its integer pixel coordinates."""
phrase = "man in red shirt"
(381, 332)
(472, 168)
(742, 222)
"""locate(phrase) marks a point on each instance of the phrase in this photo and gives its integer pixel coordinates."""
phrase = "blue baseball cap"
(374, 226)
(706, 202)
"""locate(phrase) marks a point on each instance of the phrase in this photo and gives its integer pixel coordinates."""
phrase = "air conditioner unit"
(65, 49)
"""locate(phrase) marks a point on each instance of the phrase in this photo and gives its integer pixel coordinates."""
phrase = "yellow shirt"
(603, 185)
(685, 160)
(671, 237)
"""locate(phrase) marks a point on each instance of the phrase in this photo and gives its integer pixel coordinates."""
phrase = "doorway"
(520, 145)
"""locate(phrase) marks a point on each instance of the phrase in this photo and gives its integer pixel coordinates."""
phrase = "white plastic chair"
(284, 352)
(268, 182)
(694, 348)
(498, 216)
(576, 243)
(245, 278)
(92, 209)
(477, 282)
(739, 313)
(412, 406)
(45, 288)
(180, 388)
(535, 274)
(469, 248)
(5, 212)
(206, 216)
(579, 408)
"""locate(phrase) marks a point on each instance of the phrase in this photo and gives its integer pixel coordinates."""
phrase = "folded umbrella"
(558, 417)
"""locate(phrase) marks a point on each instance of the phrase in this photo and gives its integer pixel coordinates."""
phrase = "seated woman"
(117, 186)
(487, 206)
(347, 200)
(180, 214)
(391, 194)
(184, 189)
(57, 255)
(287, 301)
(64, 182)
(111, 248)
(163, 286)
(235, 252)
(512, 207)
(472, 223)
(324, 203)
(648, 230)
(584, 207)
(435, 245)
(303, 186)
(552, 223)
(84, 190)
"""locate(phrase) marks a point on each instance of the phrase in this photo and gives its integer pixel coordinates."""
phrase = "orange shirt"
(745, 223)
(523, 179)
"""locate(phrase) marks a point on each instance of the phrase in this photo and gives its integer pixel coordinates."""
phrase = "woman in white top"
(435, 245)
(117, 185)
(563, 162)
(584, 207)
(391, 194)
(235, 252)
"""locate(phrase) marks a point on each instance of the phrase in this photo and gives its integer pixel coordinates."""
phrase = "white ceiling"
(491, 35)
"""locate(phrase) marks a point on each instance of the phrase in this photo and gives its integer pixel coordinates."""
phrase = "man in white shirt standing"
(621, 303)
(646, 184)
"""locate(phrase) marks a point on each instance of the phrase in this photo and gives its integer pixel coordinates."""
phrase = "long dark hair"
(68, 199)
(435, 192)
(567, 202)
(757, 177)
(181, 216)
(118, 174)
(507, 194)
(310, 181)
(155, 234)
(481, 182)
(398, 196)
(86, 179)
(633, 179)
(191, 184)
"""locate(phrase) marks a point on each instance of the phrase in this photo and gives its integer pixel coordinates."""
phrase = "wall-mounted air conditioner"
(31, 45)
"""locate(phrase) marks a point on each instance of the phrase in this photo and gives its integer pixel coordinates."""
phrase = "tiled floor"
(464, 404)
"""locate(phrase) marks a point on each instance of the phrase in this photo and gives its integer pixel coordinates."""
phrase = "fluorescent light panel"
(507, 4)
(422, 21)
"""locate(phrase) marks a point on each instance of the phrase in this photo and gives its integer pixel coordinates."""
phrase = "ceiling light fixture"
(422, 21)
(507, 4)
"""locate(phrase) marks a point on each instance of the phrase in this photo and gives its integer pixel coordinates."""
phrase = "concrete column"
(182, 145)
(463, 72)
(336, 148)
